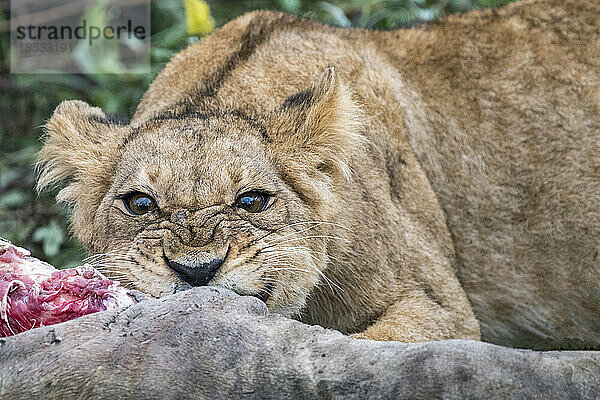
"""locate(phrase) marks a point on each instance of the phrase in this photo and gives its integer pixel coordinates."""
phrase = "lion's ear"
(318, 130)
(80, 146)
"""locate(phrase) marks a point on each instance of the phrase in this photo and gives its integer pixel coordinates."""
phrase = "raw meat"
(34, 293)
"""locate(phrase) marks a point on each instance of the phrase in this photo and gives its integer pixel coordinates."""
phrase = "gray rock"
(210, 343)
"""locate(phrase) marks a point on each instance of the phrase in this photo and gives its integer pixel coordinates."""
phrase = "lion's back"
(511, 146)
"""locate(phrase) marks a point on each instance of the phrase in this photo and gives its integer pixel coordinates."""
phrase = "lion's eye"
(139, 203)
(252, 201)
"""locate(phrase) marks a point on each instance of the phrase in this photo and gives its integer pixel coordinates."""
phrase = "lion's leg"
(419, 318)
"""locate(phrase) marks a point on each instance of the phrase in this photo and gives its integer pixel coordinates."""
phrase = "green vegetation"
(26, 101)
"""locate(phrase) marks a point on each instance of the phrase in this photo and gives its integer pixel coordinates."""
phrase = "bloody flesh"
(34, 294)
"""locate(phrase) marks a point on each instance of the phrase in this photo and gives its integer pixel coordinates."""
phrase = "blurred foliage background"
(27, 101)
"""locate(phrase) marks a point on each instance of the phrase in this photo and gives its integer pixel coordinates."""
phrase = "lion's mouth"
(262, 295)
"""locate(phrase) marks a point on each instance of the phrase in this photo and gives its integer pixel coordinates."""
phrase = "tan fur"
(420, 165)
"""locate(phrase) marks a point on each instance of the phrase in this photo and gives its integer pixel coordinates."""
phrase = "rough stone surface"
(210, 343)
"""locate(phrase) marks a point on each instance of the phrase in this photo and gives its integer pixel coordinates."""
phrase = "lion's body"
(481, 164)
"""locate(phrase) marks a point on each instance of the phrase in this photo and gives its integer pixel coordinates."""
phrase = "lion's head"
(209, 197)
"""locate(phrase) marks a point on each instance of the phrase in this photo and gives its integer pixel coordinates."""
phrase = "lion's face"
(219, 198)
(202, 201)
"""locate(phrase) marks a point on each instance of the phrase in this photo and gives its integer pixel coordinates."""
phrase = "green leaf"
(51, 236)
(291, 6)
(11, 199)
(339, 18)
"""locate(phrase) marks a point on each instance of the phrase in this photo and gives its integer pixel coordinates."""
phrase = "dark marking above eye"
(167, 115)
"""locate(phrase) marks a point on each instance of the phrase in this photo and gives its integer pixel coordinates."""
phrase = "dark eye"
(139, 203)
(252, 201)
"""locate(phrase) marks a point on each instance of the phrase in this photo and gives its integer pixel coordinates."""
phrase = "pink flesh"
(34, 294)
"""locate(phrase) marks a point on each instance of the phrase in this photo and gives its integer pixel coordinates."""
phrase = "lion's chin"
(287, 301)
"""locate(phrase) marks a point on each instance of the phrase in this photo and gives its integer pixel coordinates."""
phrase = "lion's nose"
(199, 274)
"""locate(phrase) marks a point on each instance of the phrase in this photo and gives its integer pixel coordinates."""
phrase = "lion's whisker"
(316, 223)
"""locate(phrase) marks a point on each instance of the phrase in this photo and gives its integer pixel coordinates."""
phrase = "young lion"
(378, 183)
